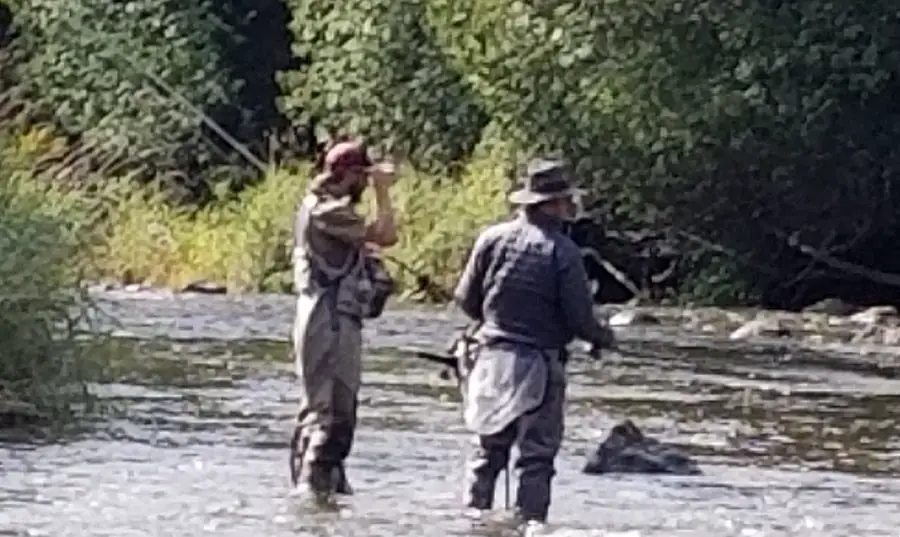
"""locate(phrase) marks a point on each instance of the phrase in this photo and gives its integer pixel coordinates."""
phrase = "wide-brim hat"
(544, 180)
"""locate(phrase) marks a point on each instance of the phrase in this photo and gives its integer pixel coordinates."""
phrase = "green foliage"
(11, 57)
(90, 65)
(701, 114)
(255, 43)
(372, 67)
(715, 280)
(243, 242)
(236, 241)
(758, 126)
(436, 243)
(131, 233)
(45, 360)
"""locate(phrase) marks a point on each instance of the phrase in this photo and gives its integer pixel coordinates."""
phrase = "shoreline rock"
(15, 413)
(200, 287)
(825, 323)
(874, 326)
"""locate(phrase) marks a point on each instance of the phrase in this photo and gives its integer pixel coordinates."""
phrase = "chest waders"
(329, 292)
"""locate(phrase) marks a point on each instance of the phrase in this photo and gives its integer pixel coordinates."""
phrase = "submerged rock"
(761, 327)
(15, 413)
(205, 287)
(875, 315)
(137, 287)
(632, 317)
(873, 334)
(627, 450)
(832, 306)
(447, 374)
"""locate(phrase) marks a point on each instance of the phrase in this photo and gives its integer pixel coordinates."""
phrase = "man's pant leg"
(488, 457)
(344, 398)
(540, 438)
(314, 341)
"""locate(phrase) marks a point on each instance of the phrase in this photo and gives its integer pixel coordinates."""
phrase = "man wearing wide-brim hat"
(526, 286)
(546, 180)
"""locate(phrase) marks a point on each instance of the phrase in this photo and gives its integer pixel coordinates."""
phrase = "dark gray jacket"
(525, 282)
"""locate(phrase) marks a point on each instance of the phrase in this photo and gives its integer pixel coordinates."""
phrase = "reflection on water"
(198, 443)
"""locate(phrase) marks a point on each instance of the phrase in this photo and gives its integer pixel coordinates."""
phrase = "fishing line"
(242, 149)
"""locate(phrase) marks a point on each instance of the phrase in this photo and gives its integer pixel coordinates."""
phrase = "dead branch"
(872, 275)
(663, 276)
(612, 270)
(718, 248)
(826, 243)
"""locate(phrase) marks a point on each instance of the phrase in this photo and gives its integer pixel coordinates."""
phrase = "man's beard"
(356, 194)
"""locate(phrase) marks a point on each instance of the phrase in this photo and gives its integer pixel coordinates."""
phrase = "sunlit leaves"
(373, 68)
(90, 62)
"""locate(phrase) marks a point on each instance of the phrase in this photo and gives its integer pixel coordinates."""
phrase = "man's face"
(357, 181)
(567, 208)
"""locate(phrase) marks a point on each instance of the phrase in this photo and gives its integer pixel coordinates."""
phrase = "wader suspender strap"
(318, 261)
(331, 284)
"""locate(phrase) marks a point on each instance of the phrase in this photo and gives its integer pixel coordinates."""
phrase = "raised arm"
(383, 229)
(338, 219)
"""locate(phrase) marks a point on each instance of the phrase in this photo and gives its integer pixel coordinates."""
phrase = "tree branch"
(873, 275)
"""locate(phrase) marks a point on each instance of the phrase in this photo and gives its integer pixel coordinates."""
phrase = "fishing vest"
(359, 287)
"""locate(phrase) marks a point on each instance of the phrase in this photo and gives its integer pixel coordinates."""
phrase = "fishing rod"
(443, 359)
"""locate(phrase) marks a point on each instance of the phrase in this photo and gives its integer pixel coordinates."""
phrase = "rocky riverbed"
(796, 435)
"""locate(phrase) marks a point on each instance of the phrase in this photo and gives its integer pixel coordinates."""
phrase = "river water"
(790, 444)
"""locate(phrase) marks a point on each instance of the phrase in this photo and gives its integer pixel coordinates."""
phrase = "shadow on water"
(198, 440)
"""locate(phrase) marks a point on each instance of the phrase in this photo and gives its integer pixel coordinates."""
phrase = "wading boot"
(339, 481)
(321, 484)
(534, 528)
(530, 524)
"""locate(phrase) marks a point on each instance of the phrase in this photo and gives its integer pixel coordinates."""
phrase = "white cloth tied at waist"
(506, 381)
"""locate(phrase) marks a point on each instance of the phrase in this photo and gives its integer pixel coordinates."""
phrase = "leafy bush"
(93, 63)
(46, 360)
(371, 67)
(243, 242)
(763, 127)
(238, 241)
(255, 48)
(701, 114)
(436, 243)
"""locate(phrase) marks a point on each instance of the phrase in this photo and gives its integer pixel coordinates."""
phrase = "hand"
(382, 174)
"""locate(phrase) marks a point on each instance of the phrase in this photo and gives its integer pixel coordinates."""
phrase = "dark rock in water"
(205, 287)
(832, 306)
(136, 287)
(14, 413)
(105, 285)
(627, 450)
